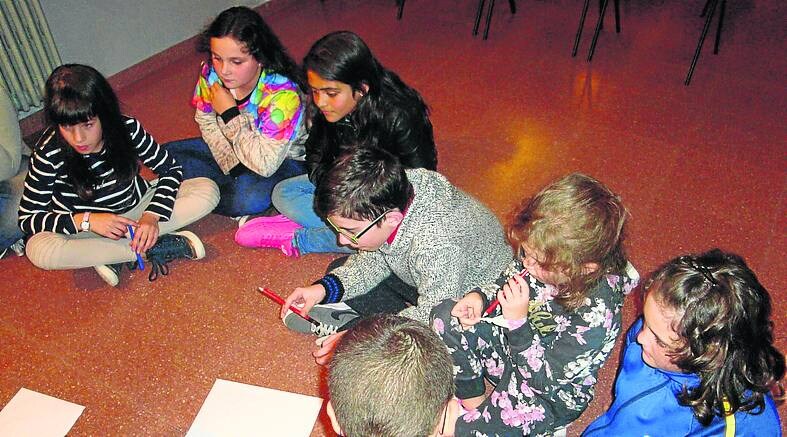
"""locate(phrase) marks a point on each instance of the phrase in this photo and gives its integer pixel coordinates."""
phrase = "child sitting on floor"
(420, 240)
(250, 111)
(84, 192)
(701, 360)
(557, 319)
(391, 377)
(354, 100)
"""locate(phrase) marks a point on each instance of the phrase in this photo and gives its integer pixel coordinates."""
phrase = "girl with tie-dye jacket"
(249, 108)
(543, 331)
(355, 100)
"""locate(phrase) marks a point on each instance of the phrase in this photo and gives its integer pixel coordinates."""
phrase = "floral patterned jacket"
(547, 364)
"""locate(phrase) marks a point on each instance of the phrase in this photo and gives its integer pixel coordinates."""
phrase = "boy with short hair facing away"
(391, 376)
(701, 360)
(410, 227)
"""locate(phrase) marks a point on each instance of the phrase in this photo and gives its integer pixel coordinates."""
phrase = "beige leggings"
(53, 251)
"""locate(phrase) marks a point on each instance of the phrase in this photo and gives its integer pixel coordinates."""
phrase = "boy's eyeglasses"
(355, 237)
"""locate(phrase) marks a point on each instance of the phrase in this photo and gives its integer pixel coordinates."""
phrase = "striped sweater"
(49, 200)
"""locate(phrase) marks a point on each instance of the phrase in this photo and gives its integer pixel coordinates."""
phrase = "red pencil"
(495, 302)
(278, 299)
(491, 307)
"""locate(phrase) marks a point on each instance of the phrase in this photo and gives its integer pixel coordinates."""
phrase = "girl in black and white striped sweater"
(83, 194)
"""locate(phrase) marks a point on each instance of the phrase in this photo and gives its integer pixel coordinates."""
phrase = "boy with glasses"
(420, 240)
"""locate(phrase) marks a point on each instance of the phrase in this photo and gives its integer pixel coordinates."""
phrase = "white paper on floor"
(30, 413)
(237, 409)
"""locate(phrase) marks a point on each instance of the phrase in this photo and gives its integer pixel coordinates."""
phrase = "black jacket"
(402, 133)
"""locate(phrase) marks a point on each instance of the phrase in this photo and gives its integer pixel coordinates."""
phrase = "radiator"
(28, 52)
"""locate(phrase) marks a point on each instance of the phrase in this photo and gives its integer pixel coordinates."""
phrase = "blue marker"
(140, 263)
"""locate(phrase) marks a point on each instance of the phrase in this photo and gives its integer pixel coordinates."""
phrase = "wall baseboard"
(34, 123)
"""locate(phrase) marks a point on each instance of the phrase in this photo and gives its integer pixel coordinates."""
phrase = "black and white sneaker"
(110, 273)
(18, 247)
(330, 318)
(241, 219)
(181, 244)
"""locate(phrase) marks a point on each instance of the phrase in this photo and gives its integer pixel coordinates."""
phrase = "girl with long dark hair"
(84, 196)
(701, 359)
(354, 100)
(249, 109)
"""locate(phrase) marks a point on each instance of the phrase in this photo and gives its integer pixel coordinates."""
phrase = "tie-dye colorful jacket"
(266, 128)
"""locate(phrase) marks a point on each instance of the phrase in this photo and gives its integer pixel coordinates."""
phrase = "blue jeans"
(246, 193)
(10, 193)
(294, 198)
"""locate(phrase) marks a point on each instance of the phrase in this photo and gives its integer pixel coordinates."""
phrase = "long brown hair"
(723, 317)
(74, 94)
(247, 27)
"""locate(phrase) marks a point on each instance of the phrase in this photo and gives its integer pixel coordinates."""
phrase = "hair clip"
(691, 262)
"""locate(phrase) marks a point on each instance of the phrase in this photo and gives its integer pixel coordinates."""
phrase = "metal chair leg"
(705, 8)
(478, 16)
(401, 9)
(581, 25)
(600, 6)
(489, 18)
(617, 16)
(512, 6)
(718, 29)
(604, 4)
(705, 28)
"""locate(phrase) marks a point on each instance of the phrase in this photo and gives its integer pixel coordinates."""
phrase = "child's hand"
(109, 225)
(514, 298)
(469, 309)
(146, 233)
(304, 298)
(220, 98)
(324, 354)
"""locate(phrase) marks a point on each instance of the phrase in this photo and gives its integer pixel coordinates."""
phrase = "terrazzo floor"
(698, 167)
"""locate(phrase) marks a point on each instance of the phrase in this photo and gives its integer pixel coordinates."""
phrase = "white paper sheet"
(34, 414)
(237, 409)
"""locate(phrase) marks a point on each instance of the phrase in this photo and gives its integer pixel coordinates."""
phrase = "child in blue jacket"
(701, 360)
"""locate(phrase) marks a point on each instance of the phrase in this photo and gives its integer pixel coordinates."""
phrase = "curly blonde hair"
(574, 221)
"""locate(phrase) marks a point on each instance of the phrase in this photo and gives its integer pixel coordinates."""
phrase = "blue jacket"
(646, 403)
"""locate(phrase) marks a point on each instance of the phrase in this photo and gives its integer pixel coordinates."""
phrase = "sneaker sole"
(328, 314)
(296, 323)
(196, 244)
(108, 275)
(270, 220)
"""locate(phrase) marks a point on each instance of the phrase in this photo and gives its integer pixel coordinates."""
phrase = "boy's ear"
(393, 218)
(332, 415)
(589, 268)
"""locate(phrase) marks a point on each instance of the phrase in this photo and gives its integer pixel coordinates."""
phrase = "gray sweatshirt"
(447, 244)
